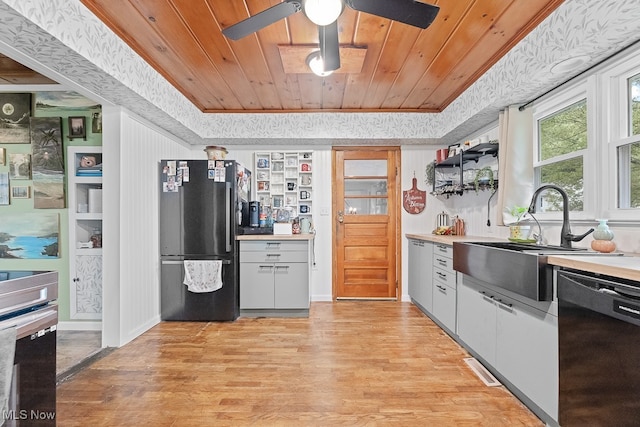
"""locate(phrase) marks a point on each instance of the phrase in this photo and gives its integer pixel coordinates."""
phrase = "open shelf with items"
(285, 179)
(84, 184)
(457, 175)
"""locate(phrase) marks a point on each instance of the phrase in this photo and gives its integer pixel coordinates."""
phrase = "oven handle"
(22, 299)
(34, 322)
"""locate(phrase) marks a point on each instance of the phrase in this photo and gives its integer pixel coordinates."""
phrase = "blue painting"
(29, 235)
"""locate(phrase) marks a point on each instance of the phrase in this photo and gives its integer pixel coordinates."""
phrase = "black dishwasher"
(599, 347)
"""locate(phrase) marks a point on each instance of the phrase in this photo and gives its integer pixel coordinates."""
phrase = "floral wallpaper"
(64, 37)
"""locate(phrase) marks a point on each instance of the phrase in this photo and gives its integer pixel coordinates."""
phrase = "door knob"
(340, 217)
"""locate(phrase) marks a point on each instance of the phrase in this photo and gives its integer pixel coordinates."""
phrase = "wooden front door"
(366, 215)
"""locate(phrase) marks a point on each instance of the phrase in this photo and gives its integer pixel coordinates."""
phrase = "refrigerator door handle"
(230, 216)
(224, 261)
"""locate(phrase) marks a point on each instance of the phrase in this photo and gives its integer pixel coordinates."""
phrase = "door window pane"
(365, 187)
(365, 206)
(567, 175)
(629, 176)
(634, 105)
(563, 132)
(365, 168)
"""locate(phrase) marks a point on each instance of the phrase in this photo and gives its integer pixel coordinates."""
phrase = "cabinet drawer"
(274, 256)
(273, 246)
(442, 262)
(446, 277)
(444, 305)
(443, 250)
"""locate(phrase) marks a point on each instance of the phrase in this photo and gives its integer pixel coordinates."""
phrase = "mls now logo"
(25, 414)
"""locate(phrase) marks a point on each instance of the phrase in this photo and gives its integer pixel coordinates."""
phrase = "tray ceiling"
(404, 68)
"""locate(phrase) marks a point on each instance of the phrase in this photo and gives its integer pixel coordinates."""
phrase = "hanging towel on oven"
(7, 353)
(203, 276)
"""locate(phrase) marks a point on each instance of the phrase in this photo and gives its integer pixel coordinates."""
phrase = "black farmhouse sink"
(518, 267)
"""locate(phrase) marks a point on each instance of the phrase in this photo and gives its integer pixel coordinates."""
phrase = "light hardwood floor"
(351, 363)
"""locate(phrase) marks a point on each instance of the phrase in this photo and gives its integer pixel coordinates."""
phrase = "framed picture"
(4, 188)
(96, 123)
(21, 192)
(20, 166)
(15, 111)
(2, 156)
(77, 127)
(454, 149)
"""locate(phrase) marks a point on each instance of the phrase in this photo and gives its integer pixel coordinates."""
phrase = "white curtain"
(515, 156)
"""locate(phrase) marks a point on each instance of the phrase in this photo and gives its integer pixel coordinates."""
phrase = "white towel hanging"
(203, 276)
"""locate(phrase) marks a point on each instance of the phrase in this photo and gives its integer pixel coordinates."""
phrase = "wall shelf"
(455, 175)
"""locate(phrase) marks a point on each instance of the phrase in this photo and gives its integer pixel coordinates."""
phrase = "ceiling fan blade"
(329, 46)
(409, 12)
(260, 20)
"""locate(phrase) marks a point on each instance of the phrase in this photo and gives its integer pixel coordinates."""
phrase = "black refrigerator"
(202, 204)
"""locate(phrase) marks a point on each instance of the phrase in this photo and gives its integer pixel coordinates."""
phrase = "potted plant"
(518, 231)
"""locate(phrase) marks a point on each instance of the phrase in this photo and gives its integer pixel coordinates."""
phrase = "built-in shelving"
(285, 179)
(84, 184)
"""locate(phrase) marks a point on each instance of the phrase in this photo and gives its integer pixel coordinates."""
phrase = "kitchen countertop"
(308, 236)
(626, 267)
(448, 240)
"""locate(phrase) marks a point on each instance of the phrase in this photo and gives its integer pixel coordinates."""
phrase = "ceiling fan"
(325, 14)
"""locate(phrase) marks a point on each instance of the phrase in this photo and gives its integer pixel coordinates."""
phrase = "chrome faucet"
(565, 234)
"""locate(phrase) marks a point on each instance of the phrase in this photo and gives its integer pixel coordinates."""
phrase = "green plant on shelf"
(485, 172)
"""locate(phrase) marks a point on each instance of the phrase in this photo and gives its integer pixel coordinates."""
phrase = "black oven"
(26, 304)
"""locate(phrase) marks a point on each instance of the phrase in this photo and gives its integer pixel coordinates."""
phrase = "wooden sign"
(414, 200)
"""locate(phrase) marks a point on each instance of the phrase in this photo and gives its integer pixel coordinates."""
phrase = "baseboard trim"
(80, 326)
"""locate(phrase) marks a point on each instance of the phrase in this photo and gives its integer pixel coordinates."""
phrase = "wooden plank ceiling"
(405, 69)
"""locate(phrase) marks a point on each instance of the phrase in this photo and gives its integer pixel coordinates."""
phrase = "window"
(561, 147)
(628, 154)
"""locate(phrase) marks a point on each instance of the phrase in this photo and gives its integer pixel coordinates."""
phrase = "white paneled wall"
(132, 192)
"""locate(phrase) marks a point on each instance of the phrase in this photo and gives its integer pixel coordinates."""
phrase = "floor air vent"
(485, 376)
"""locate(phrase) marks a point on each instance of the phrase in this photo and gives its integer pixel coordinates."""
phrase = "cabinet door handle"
(270, 255)
(441, 262)
(278, 267)
(441, 275)
(265, 266)
(442, 288)
(487, 297)
(273, 244)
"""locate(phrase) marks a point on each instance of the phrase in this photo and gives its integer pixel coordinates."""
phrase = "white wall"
(131, 271)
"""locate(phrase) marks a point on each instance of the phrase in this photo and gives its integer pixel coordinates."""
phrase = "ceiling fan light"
(316, 64)
(323, 12)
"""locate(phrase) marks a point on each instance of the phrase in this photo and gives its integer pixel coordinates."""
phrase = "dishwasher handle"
(586, 292)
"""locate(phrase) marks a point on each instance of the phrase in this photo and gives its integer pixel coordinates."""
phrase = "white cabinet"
(444, 287)
(285, 178)
(527, 351)
(84, 186)
(274, 276)
(520, 341)
(419, 275)
(477, 318)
